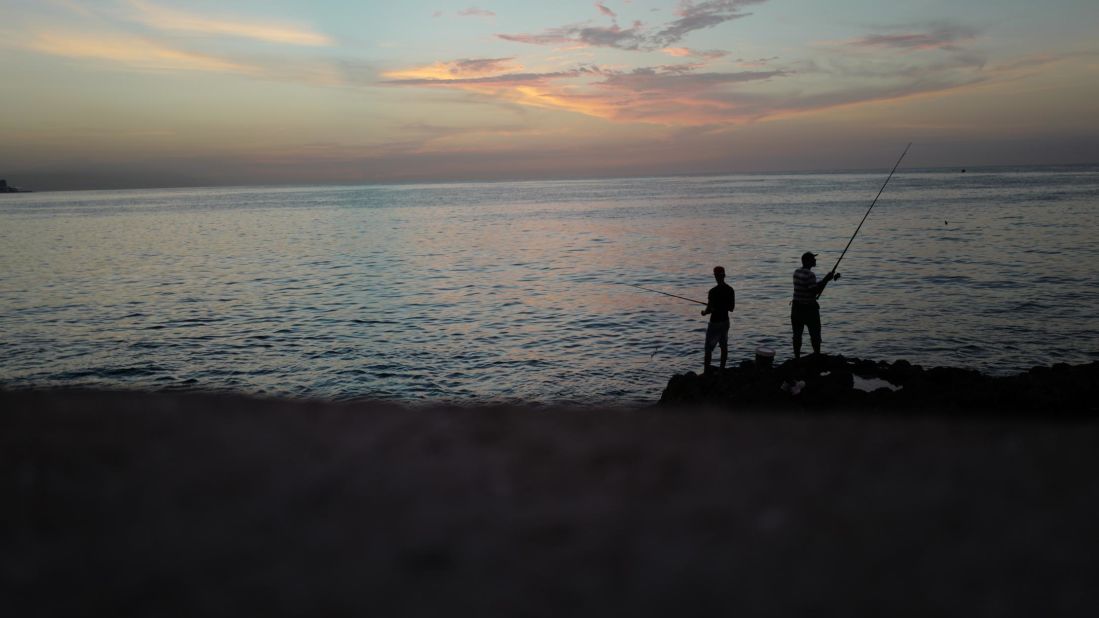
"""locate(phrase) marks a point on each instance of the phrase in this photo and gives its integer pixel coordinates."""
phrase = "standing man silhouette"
(805, 311)
(719, 304)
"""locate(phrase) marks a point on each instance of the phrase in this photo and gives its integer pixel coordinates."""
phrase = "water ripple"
(514, 291)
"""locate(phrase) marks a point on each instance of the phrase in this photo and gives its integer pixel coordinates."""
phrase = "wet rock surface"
(169, 504)
(822, 382)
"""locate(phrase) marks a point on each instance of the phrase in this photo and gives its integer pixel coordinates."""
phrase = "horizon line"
(565, 178)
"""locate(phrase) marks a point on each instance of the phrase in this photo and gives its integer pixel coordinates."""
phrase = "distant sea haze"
(515, 291)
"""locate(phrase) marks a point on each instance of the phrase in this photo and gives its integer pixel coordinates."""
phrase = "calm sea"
(515, 291)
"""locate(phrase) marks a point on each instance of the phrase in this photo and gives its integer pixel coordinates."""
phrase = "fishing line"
(665, 293)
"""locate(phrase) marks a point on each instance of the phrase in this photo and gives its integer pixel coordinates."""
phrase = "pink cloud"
(474, 11)
(681, 95)
(691, 17)
(756, 63)
(675, 95)
(686, 52)
(586, 36)
(688, 95)
(940, 36)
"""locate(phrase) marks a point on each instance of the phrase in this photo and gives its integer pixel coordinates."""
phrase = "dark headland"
(6, 188)
(902, 502)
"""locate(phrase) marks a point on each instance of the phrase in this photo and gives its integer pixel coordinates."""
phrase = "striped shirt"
(804, 283)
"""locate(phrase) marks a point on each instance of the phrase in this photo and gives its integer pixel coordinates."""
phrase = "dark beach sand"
(130, 504)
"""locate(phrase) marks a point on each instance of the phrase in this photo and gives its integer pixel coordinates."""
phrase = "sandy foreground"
(131, 504)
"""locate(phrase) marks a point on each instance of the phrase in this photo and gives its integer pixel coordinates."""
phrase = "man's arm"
(818, 287)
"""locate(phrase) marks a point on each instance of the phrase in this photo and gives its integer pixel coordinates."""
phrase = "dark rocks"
(821, 382)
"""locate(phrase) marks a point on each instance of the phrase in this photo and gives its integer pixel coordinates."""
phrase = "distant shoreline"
(970, 170)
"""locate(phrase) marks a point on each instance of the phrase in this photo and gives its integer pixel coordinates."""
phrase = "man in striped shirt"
(805, 311)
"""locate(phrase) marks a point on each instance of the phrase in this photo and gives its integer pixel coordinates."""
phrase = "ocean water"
(517, 291)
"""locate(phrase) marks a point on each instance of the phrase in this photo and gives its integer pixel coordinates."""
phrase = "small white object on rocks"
(869, 385)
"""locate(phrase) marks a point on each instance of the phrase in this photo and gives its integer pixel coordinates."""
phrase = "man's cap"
(719, 269)
(807, 255)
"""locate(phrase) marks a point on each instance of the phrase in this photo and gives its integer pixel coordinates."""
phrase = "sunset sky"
(145, 93)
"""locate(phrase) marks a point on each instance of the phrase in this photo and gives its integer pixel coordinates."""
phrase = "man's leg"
(724, 342)
(814, 330)
(795, 321)
(711, 341)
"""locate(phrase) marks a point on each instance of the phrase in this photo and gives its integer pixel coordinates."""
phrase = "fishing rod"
(895, 166)
(665, 293)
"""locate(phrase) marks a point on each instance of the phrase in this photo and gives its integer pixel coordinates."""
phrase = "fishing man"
(805, 311)
(719, 304)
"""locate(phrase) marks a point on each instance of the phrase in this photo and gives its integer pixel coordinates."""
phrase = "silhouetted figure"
(805, 311)
(719, 304)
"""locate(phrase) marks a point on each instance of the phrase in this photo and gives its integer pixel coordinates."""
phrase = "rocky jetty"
(822, 381)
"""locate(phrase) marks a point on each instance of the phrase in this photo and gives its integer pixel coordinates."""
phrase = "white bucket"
(765, 357)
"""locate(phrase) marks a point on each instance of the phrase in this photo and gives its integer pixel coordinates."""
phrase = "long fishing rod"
(666, 294)
(895, 166)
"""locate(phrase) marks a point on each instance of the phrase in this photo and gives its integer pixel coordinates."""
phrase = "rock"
(821, 382)
(829, 387)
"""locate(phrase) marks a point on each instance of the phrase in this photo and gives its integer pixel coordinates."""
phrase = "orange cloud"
(674, 96)
(169, 19)
(131, 51)
(501, 79)
(685, 96)
(686, 52)
(457, 69)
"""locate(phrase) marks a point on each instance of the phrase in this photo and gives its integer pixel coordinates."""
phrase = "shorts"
(717, 332)
(805, 315)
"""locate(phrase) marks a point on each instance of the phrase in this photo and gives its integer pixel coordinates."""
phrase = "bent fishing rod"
(665, 293)
(895, 166)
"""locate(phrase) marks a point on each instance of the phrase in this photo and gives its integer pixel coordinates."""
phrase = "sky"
(151, 93)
